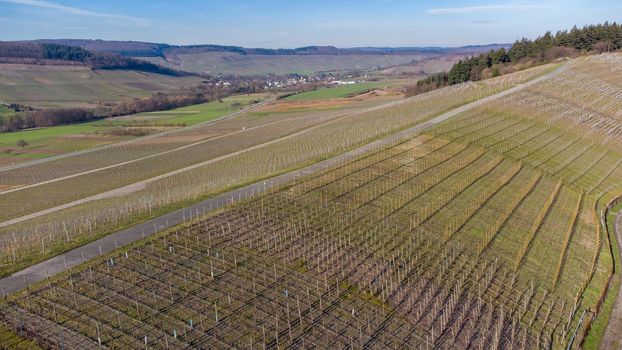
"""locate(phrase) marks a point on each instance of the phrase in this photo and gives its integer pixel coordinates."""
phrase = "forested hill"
(45, 53)
(146, 49)
(525, 52)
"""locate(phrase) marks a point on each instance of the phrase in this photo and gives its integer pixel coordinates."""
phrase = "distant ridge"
(147, 49)
(49, 53)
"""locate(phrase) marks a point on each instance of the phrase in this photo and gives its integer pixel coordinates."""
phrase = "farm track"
(65, 261)
(611, 339)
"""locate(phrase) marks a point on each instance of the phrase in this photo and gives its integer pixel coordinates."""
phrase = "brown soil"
(18, 151)
(289, 106)
(395, 92)
(286, 106)
(4, 187)
(41, 68)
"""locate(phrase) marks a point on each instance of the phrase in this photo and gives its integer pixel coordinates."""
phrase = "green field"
(338, 91)
(45, 142)
(592, 341)
(186, 116)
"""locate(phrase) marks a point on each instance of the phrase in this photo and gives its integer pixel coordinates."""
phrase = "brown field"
(376, 96)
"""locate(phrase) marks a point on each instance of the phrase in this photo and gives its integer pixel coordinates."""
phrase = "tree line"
(593, 38)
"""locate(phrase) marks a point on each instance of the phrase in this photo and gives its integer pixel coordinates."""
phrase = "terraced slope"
(566, 128)
(483, 233)
(383, 251)
(93, 194)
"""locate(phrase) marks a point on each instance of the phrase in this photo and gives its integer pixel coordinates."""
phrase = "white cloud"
(75, 10)
(480, 9)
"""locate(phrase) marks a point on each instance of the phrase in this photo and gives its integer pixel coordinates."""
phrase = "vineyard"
(566, 128)
(84, 198)
(382, 251)
(482, 232)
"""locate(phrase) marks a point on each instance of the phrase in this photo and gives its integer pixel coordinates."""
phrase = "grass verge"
(597, 331)
(10, 339)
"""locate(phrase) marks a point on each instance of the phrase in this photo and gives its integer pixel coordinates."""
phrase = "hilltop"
(148, 49)
(236, 60)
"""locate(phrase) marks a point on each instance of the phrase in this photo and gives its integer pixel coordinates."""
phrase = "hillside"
(58, 54)
(236, 60)
(92, 79)
(245, 64)
(146, 49)
(466, 225)
(302, 61)
(310, 175)
(54, 86)
(589, 39)
(47, 84)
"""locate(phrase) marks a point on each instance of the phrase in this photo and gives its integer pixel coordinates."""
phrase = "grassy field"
(186, 116)
(45, 142)
(75, 86)
(339, 91)
(592, 341)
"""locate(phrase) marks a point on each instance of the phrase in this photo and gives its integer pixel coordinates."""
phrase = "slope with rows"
(167, 171)
(383, 251)
(484, 232)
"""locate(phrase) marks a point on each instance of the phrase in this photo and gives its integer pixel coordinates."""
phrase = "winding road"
(65, 261)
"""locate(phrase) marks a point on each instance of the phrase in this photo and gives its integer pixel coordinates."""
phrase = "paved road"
(612, 339)
(58, 264)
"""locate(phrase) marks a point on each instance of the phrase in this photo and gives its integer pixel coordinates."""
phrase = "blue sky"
(295, 23)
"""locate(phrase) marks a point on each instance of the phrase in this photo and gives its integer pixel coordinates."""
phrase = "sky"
(296, 23)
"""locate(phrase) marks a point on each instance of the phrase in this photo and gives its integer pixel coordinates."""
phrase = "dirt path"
(612, 340)
(106, 244)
